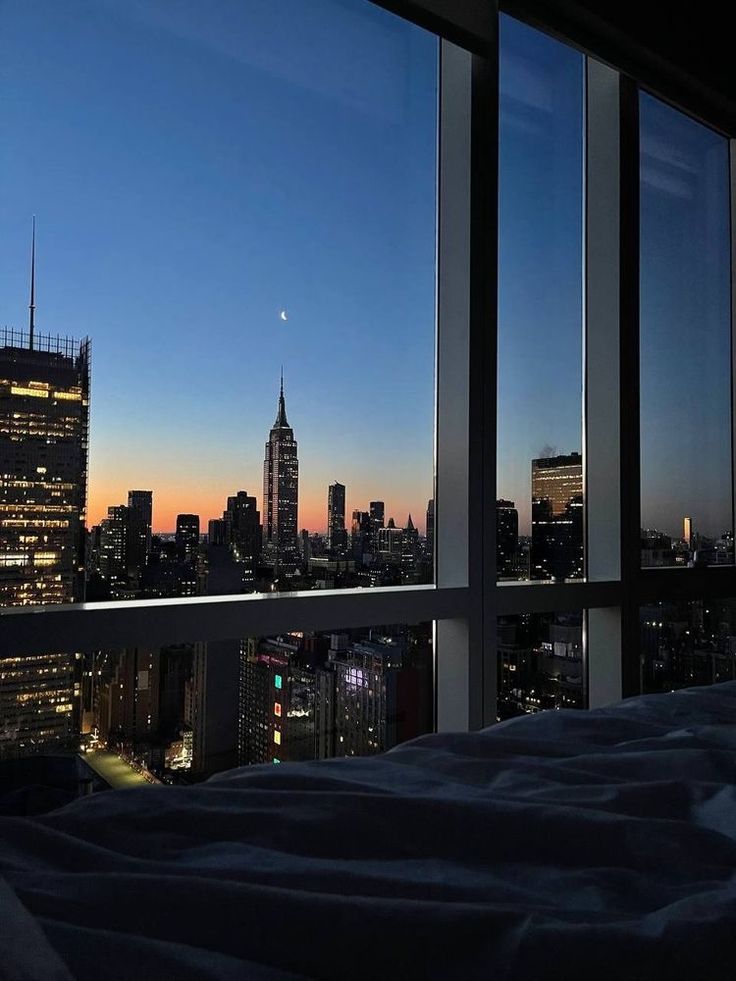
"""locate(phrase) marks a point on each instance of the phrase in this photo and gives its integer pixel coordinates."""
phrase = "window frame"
(465, 599)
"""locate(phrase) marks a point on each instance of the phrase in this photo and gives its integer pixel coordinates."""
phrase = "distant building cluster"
(187, 710)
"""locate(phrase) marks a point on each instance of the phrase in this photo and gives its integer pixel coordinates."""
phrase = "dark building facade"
(336, 533)
(507, 539)
(140, 507)
(242, 520)
(187, 535)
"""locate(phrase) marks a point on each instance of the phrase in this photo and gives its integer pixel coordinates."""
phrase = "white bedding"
(566, 845)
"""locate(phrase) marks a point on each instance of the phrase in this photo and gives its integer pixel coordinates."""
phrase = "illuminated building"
(373, 694)
(114, 544)
(687, 531)
(507, 539)
(44, 417)
(276, 703)
(280, 496)
(187, 535)
(336, 533)
(390, 541)
(557, 518)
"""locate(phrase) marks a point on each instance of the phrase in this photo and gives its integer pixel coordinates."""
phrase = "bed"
(564, 845)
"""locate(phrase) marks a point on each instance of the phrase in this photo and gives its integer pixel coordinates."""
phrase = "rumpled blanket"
(564, 845)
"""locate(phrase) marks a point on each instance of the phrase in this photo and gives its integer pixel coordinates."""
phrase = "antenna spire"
(32, 305)
(281, 421)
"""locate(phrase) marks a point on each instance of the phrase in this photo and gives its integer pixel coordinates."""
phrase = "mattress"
(563, 845)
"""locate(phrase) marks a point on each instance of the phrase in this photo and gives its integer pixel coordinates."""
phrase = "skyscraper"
(557, 518)
(243, 521)
(507, 539)
(409, 551)
(187, 535)
(430, 531)
(281, 495)
(377, 511)
(336, 533)
(44, 419)
(140, 506)
(115, 544)
(360, 535)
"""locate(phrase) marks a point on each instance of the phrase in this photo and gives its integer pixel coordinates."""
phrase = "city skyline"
(205, 175)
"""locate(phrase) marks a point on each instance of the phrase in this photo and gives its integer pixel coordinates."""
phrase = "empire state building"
(281, 495)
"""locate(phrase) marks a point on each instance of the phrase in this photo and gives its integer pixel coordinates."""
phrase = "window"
(540, 331)
(686, 460)
(230, 197)
(585, 392)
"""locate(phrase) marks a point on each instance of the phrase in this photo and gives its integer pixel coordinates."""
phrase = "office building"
(114, 536)
(557, 517)
(187, 535)
(44, 418)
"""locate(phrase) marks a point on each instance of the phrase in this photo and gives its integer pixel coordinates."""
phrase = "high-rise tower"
(557, 518)
(336, 533)
(44, 416)
(281, 495)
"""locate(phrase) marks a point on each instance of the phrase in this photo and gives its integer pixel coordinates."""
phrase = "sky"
(195, 170)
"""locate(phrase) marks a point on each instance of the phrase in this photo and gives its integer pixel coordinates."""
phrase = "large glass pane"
(541, 663)
(178, 713)
(540, 476)
(686, 486)
(236, 207)
(686, 643)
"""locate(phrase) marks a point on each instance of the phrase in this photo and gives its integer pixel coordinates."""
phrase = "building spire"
(281, 420)
(32, 305)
